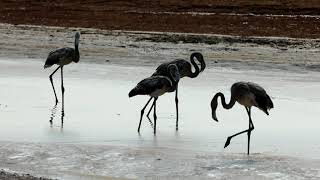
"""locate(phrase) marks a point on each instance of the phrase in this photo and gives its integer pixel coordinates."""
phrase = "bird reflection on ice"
(53, 115)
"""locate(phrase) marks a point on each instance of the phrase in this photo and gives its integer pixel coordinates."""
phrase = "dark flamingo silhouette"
(63, 57)
(247, 94)
(185, 70)
(156, 86)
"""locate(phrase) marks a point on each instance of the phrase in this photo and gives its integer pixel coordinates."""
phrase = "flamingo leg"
(149, 113)
(251, 127)
(62, 90)
(155, 115)
(50, 77)
(142, 111)
(177, 108)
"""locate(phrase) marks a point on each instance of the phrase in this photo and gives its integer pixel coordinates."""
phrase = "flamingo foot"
(227, 142)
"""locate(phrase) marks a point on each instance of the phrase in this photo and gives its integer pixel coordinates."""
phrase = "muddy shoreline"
(146, 48)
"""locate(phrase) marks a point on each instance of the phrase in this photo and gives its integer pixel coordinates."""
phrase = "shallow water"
(74, 161)
(100, 123)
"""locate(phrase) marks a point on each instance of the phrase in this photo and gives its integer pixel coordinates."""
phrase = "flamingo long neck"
(203, 63)
(76, 48)
(223, 100)
(174, 75)
(197, 70)
(214, 104)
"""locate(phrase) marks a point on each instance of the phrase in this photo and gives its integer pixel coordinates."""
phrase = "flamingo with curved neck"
(247, 94)
(156, 86)
(185, 70)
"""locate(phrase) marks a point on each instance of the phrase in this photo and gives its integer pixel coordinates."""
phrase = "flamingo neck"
(214, 104)
(223, 101)
(77, 54)
(197, 70)
(174, 74)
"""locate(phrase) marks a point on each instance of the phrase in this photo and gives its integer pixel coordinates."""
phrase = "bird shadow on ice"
(53, 114)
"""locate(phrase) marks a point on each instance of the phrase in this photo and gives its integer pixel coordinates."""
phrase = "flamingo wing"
(58, 55)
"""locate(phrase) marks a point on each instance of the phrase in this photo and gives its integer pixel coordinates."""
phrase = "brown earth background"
(284, 18)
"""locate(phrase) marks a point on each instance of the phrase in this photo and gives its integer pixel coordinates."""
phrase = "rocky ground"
(15, 176)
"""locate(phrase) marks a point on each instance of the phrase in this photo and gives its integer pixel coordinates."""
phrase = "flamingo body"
(251, 94)
(154, 86)
(61, 57)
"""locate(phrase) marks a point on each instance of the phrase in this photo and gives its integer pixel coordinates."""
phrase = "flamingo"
(156, 86)
(247, 94)
(185, 70)
(63, 57)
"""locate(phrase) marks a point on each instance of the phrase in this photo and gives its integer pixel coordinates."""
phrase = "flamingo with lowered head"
(247, 94)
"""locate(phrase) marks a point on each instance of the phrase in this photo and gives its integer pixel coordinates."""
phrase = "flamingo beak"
(214, 117)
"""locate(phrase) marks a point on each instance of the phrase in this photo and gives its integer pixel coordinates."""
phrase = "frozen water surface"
(99, 138)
